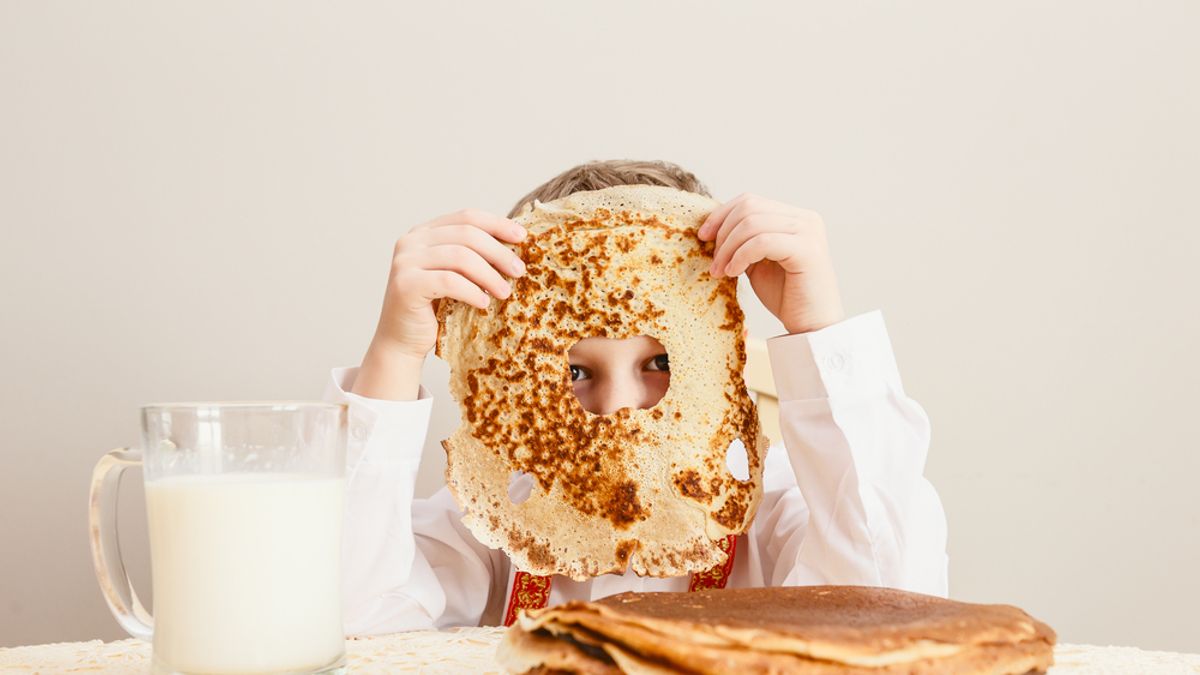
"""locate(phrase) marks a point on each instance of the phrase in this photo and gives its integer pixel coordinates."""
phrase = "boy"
(851, 506)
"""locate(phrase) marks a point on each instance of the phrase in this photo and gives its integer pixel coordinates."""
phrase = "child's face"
(612, 374)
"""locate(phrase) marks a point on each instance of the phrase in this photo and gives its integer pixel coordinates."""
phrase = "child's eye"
(578, 374)
(660, 362)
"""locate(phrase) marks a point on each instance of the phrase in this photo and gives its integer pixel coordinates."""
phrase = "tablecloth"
(470, 650)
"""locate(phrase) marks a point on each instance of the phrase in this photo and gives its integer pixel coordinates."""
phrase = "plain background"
(199, 201)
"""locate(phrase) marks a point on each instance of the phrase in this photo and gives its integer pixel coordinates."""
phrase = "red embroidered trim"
(529, 591)
(532, 591)
(718, 576)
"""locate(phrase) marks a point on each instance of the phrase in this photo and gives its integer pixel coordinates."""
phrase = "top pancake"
(860, 625)
(647, 490)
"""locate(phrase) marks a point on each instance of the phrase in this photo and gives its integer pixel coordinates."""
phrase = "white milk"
(246, 572)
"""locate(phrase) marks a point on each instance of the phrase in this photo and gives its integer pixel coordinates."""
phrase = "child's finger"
(497, 226)
(468, 263)
(746, 228)
(714, 219)
(732, 220)
(446, 284)
(479, 241)
(764, 246)
(751, 206)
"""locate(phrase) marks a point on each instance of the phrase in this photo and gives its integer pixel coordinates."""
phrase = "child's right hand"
(458, 255)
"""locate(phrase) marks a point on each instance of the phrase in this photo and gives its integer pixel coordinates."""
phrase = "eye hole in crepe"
(736, 461)
(520, 487)
(609, 374)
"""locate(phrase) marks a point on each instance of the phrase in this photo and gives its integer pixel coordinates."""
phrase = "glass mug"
(245, 504)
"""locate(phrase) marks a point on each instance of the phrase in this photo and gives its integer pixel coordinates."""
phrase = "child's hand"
(458, 255)
(784, 252)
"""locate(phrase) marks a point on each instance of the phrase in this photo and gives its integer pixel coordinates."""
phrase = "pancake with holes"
(812, 629)
(647, 490)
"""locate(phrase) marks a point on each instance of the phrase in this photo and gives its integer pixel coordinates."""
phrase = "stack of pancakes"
(809, 629)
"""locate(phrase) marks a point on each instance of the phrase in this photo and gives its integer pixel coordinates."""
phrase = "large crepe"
(815, 629)
(647, 490)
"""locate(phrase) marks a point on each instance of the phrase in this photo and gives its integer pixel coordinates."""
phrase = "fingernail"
(519, 232)
(518, 267)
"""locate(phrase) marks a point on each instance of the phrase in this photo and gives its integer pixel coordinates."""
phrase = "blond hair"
(599, 175)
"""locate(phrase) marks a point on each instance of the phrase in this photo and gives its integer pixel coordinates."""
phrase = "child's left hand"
(784, 252)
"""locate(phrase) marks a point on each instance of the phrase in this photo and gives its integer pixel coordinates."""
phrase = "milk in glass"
(246, 571)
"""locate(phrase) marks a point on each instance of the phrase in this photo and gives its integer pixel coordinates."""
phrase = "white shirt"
(844, 501)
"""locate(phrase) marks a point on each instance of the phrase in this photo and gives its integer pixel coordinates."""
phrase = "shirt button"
(835, 363)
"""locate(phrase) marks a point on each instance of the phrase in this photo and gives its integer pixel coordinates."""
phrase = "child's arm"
(459, 256)
(863, 512)
(408, 564)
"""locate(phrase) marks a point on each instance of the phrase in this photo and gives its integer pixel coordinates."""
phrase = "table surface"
(470, 650)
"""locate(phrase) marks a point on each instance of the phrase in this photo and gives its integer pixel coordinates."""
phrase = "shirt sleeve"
(407, 564)
(862, 511)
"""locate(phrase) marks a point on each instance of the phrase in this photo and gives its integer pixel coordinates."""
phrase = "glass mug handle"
(106, 550)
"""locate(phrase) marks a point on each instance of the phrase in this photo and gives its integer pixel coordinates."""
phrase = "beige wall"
(198, 200)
